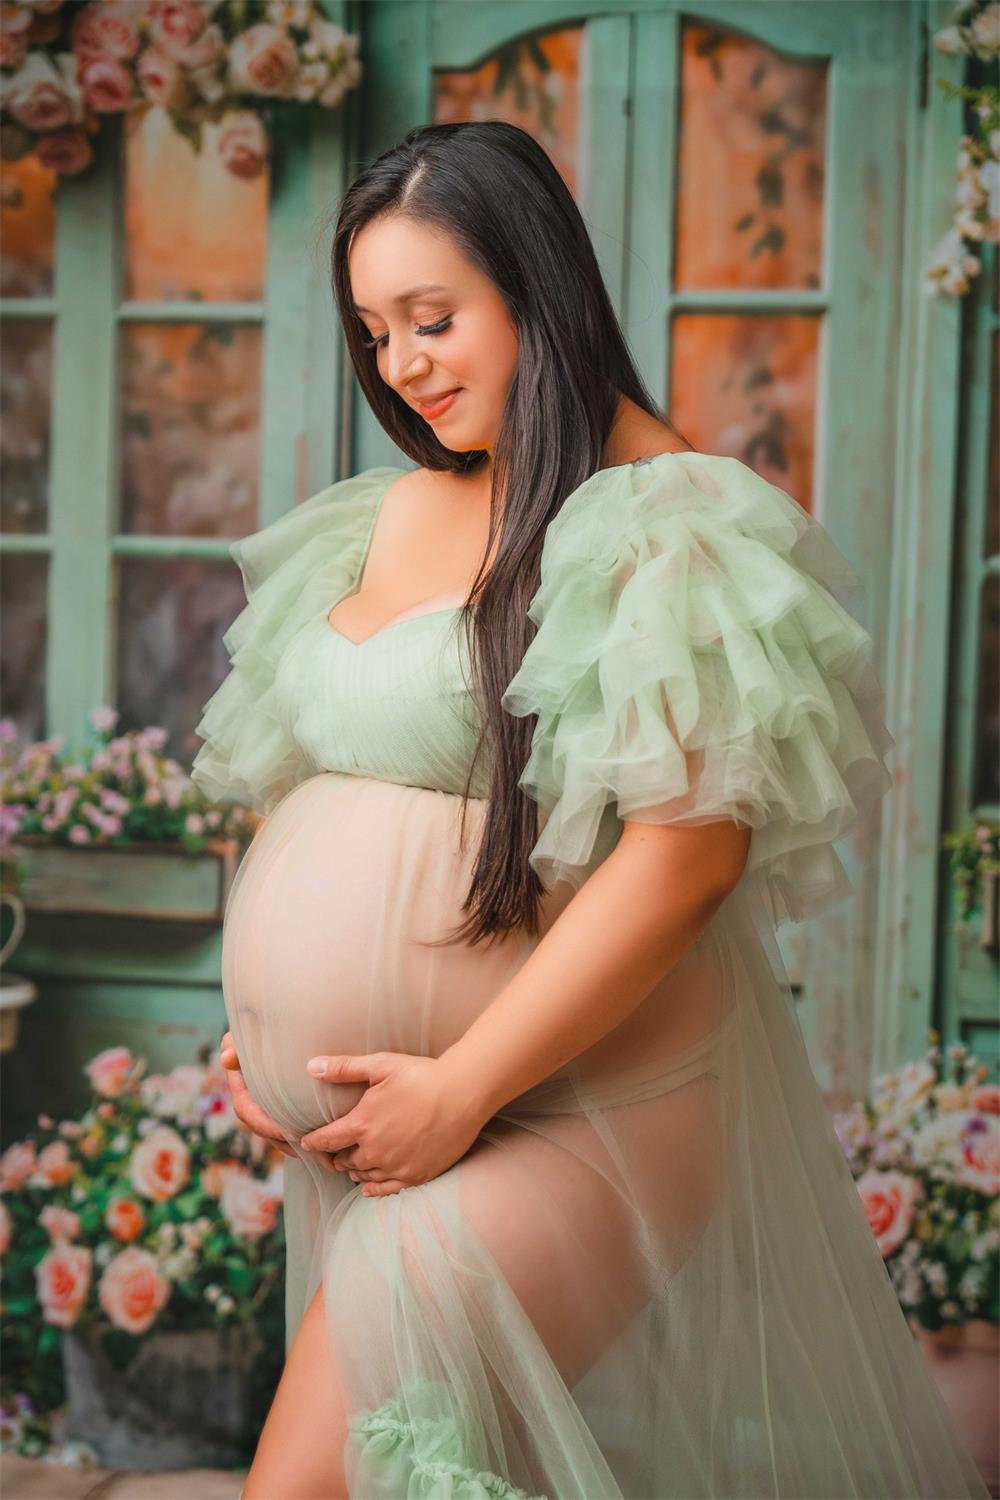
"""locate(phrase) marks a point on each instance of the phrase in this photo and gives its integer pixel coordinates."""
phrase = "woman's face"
(430, 342)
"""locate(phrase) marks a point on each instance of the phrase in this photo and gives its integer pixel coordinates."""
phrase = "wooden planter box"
(137, 880)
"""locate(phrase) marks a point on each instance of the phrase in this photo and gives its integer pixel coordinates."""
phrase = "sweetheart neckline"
(405, 619)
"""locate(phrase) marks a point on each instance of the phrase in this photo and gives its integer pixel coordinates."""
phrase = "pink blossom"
(109, 1070)
(176, 24)
(54, 1165)
(104, 718)
(160, 1165)
(125, 1219)
(13, 48)
(104, 30)
(242, 144)
(159, 76)
(249, 1206)
(16, 1165)
(61, 1224)
(888, 1198)
(987, 1099)
(63, 1279)
(78, 834)
(42, 96)
(8, 730)
(132, 1290)
(979, 1167)
(263, 60)
(107, 85)
(5, 1228)
(203, 54)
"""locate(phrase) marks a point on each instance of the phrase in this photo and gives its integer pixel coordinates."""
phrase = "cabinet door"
(742, 170)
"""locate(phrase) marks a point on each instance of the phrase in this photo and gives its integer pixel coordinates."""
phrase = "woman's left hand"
(411, 1124)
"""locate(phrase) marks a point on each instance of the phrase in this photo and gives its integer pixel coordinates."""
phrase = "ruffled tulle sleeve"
(298, 566)
(695, 659)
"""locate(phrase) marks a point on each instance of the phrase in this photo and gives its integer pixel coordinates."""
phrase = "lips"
(439, 404)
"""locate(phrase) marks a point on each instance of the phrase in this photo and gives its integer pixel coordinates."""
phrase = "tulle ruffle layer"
(293, 571)
(694, 660)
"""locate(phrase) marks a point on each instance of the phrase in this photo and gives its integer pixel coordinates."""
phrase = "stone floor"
(30, 1479)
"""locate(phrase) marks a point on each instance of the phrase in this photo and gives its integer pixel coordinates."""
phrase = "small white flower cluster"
(220, 1300)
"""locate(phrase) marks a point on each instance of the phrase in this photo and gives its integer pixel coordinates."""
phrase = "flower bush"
(64, 66)
(975, 34)
(924, 1151)
(154, 1210)
(973, 853)
(121, 791)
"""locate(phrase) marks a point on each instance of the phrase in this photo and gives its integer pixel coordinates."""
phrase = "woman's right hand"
(247, 1110)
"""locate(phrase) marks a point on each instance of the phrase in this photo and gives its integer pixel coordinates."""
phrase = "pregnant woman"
(551, 731)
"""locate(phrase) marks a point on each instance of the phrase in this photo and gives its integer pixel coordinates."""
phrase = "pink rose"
(132, 1290)
(158, 76)
(208, 49)
(108, 1071)
(987, 1099)
(979, 1167)
(104, 30)
(160, 1165)
(250, 1207)
(125, 1219)
(16, 1165)
(40, 97)
(888, 1198)
(213, 1177)
(177, 24)
(106, 84)
(243, 144)
(5, 1227)
(263, 60)
(54, 1164)
(61, 1224)
(63, 1277)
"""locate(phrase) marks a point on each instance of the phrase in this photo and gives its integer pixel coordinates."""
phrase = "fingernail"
(316, 1066)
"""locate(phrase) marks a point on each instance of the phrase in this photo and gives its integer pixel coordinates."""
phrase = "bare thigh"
(300, 1455)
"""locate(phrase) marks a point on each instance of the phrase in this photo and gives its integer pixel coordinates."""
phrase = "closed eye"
(441, 327)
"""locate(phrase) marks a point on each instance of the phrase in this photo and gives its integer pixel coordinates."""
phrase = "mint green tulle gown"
(651, 1276)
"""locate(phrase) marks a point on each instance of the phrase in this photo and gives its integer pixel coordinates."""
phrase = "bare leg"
(300, 1452)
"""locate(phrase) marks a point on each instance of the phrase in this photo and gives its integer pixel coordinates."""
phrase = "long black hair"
(573, 363)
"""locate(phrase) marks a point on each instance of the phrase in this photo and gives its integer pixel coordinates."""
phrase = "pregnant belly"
(328, 932)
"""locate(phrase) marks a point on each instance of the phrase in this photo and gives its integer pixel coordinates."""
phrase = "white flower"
(213, 1293)
(949, 40)
(985, 31)
(225, 1304)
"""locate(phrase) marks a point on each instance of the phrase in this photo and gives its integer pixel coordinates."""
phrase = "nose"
(407, 363)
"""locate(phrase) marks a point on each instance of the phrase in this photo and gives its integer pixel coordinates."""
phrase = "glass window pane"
(25, 402)
(986, 781)
(533, 82)
(745, 384)
(23, 637)
(173, 613)
(27, 229)
(190, 429)
(193, 229)
(751, 163)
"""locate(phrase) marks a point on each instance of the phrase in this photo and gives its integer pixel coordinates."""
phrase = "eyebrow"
(414, 292)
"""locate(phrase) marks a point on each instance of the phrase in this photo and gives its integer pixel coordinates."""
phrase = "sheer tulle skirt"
(651, 1275)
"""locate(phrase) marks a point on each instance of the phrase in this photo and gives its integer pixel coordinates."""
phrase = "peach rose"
(63, 1277)
(61, 1224)
(979, 1167)
(206, 51)
(160, 1165)
(987, 1099)
(214, 1176)
(177, 24)
(106, 84)
(104, 30)
(41, 96)
(159, 76)
(16, 1165)
(54, 1164)
(125, 1219)
(243, 144)
(250, 1207)
(132, 1290)
(263, 60)
(888, 1198)
(108, 1071)
(64, 151)
(5, 1228)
